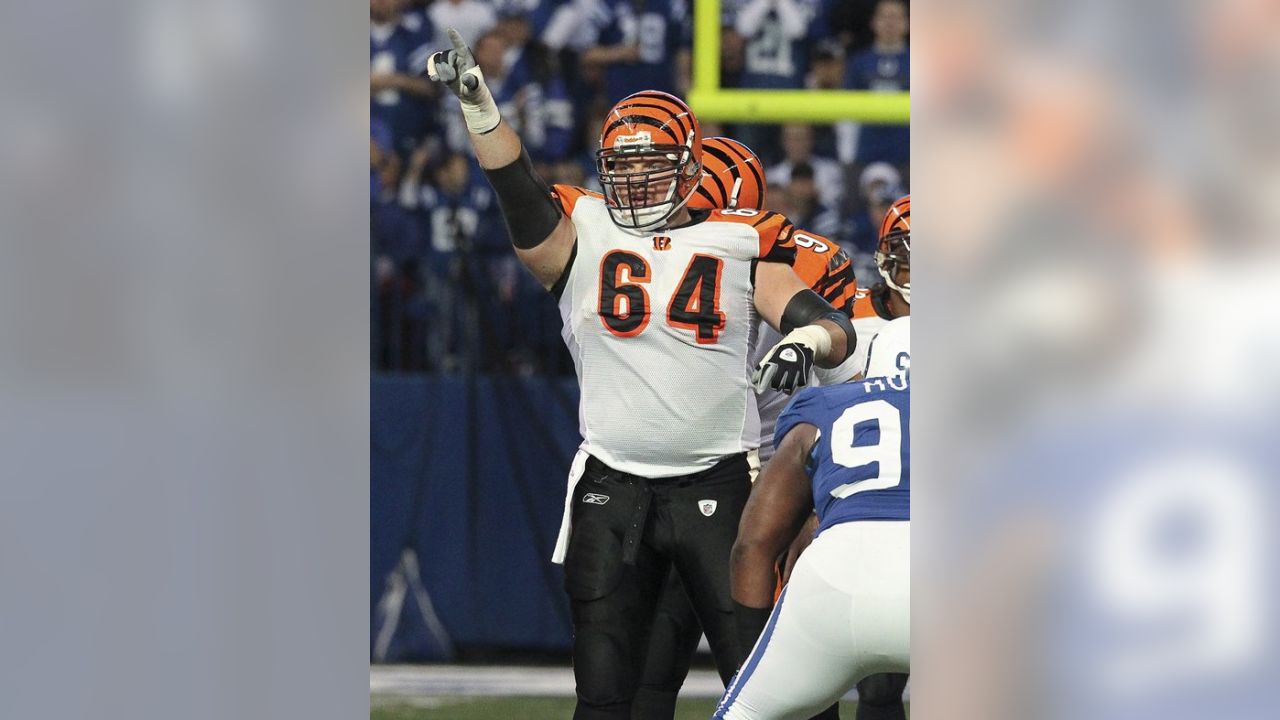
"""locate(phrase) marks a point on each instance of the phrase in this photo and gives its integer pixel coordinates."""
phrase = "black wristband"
(526, 202)
(843, 322)
(749, 623)
(807, 307)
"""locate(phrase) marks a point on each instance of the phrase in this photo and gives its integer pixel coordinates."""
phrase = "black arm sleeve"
(526, 202)
(807, 307)
(749, 623)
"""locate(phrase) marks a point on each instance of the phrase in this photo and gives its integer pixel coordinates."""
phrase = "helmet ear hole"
(732, 176)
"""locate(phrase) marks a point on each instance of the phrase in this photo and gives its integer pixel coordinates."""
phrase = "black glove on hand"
(785, 368)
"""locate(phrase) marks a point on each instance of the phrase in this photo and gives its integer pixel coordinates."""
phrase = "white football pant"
(844, 615)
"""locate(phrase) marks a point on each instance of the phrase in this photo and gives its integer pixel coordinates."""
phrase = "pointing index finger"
(458, 43)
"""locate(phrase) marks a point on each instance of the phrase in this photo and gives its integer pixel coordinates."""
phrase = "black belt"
(640, 513)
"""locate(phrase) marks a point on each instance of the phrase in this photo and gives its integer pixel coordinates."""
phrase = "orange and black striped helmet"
(732, 177)
(650, 159)
(894, 250)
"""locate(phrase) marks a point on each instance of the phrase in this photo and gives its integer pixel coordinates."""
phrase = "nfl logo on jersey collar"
(708, 507)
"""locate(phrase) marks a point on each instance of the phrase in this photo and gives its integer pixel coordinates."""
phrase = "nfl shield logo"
(707, 507)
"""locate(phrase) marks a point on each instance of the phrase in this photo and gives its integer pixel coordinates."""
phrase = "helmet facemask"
(894, 254)
(645, 185)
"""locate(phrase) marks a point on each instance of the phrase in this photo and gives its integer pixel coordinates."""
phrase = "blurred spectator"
(394, 248)
(884, 67)
(574, 25)
(381, 140)
(732, 57)
(530, 90)
(797, 147)
(590, 142)
(642, 46)
(538, 13)
(802, 206)
(878, 186)
(826, 72)
(850, 22)
(471, 18)
(464, 244)
(399, 92)
(777, 34)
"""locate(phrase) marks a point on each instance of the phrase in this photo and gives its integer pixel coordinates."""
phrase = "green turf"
(520, 708)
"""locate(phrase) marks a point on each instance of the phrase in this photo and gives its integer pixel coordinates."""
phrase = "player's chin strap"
(649, 227)
(903, 290)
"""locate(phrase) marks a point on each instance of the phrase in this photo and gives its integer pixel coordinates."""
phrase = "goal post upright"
(715, 104)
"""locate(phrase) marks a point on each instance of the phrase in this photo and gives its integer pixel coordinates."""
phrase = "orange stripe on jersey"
(826, 268)
(813, 255)
(567, 196)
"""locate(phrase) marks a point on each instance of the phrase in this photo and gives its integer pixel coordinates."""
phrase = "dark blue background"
(470, 473)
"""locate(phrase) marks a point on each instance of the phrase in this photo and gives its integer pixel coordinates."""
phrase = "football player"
(658, 303)
(880, 695)
(733, 178)
(891, 298)
(844, 451)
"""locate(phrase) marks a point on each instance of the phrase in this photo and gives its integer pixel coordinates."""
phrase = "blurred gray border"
(184, 515)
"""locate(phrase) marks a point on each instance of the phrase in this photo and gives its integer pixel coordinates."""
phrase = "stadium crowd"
(447, 291)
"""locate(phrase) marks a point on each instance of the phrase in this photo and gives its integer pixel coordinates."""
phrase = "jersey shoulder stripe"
(567, 196)
(773, 230)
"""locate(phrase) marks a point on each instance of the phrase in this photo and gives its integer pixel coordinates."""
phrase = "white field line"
(424, 682)
(436, 680)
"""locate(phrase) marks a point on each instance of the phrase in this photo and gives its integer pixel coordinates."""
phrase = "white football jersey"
(867, 322)
(660, 326)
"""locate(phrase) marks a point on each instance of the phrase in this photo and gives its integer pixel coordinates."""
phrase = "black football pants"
(628, 533)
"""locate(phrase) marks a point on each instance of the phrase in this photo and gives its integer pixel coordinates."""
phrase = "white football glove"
(458, 71)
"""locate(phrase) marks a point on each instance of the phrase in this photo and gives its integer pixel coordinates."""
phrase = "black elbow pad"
(526, 202)
(802, 309)
(807, 307)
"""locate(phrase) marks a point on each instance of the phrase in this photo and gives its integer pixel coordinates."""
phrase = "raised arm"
(542, 234)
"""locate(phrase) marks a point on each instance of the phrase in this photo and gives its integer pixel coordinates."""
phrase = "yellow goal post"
(712, 103)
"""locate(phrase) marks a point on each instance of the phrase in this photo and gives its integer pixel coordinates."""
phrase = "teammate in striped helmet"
(650, 159)
(893, 254)
(732, 177)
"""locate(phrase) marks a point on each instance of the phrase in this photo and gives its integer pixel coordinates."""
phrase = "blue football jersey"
(402, 48)
(861, 464)
(659, 27)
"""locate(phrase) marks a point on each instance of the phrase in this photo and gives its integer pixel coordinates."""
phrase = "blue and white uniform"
(402, 47)
(846, 613)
